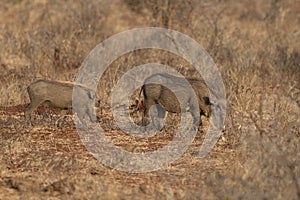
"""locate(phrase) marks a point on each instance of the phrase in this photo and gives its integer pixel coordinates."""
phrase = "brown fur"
(159, 94)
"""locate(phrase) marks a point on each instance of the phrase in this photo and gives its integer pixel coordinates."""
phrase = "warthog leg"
(31, 107)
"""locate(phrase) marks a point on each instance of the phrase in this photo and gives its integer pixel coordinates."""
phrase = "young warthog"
(59, 94)
(165, 98)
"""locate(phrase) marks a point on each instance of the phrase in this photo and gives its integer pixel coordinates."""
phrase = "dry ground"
(255, 45)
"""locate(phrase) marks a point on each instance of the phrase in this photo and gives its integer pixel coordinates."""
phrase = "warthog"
(162, 97)
(59, 94)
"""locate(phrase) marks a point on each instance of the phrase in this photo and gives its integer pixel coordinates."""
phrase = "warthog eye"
(132, 106)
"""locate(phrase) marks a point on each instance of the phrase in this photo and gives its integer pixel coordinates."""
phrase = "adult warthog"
(156, 93)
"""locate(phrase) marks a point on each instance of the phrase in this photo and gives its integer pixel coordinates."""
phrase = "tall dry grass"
(254, 44)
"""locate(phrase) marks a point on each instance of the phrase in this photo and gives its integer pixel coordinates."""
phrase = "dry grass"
(256, 48)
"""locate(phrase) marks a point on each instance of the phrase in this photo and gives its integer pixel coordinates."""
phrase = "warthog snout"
(59, 95)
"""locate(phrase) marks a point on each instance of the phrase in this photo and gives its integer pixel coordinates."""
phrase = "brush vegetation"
(256, 47)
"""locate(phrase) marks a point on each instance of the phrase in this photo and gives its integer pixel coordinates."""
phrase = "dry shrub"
(256, 50)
